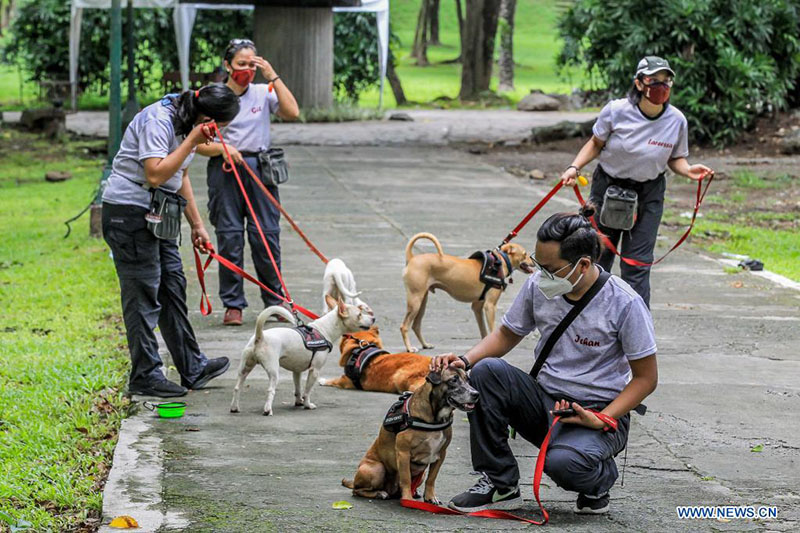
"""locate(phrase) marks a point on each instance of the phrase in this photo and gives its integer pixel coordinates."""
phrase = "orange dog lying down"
(386, 372)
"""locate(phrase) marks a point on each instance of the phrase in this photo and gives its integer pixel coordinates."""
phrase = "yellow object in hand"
(582, 181)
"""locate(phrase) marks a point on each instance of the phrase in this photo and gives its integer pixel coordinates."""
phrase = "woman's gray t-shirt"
(639, 147)
(249, 131)
(150, 134)
(590, 359)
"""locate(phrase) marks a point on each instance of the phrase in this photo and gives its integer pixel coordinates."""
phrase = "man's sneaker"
(233, 317)
(214, 368)
(484, 495)
(592, 504)
(162, 389)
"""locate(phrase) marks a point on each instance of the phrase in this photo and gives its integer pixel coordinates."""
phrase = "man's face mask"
(552, 286)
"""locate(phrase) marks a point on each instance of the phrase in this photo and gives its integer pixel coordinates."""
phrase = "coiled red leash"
(227, 167)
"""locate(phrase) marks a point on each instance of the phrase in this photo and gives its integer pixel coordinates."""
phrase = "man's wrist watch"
(466, 362)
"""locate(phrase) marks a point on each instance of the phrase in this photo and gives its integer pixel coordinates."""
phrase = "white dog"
(338, 283)
(284, 347)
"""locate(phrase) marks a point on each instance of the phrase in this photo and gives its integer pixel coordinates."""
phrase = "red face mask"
(658, 93)
(243, 77)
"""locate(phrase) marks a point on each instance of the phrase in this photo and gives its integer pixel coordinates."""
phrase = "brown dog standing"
(395, 460)
(457, 276)
(389, 372)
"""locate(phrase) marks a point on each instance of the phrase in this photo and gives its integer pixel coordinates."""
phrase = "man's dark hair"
(574, 233)
(216, 101)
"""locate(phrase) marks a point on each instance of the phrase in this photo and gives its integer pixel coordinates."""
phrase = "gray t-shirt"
(590, 359)
(150, 134)
(249, 131)
(639, 147)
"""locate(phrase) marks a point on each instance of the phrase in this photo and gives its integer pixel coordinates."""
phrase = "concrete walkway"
(728, 363)
(429, 127)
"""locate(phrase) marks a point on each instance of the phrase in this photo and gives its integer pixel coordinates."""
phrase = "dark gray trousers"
(153, 292)
(578, 458)
(228, 213)
(640, 242)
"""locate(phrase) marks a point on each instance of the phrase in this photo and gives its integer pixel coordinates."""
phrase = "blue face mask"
(557, 286)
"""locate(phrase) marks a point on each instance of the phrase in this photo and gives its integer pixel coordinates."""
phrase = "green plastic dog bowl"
(168, 409)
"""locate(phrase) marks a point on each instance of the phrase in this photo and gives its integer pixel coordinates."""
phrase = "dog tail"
(271, 311)
(430, 236)
(347, 483)
(343, 287)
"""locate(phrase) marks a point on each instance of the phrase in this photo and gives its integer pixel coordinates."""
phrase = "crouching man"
(604, 361)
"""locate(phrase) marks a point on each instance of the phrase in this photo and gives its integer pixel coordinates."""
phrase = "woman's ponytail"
(216, 101)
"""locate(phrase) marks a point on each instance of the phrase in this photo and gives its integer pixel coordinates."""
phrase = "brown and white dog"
(390, 372)
(457, 276)
(396, 460)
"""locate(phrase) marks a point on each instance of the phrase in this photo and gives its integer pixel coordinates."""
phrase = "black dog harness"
(492, 269)
(399, 419)
(359, 359)
(313, 341)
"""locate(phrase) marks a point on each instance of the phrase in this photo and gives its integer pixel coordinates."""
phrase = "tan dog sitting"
(457, 276)
(395, 463)
(374, 369)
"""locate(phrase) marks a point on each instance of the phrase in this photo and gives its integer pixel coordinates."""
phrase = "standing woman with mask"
(246, 136)
(635, 139)
(147, 190)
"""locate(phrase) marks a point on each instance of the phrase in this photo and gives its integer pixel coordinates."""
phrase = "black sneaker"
(214, 368)
(484, 495)
(592, 504)
(162, 389)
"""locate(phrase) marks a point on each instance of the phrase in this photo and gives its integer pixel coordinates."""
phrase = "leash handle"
(205, 301)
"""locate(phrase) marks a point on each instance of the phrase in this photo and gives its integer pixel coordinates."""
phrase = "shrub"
(355, 55)
(733, 59)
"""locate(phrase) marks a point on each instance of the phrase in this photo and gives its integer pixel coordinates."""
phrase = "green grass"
(750, 180)
(63, 359)
(15, 93)
(536, 44)
(778, 249)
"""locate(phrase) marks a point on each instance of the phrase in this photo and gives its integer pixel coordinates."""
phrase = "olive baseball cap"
(651, 64)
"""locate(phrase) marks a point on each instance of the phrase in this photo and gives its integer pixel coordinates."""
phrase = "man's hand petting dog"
(440, 362)
(582, 416)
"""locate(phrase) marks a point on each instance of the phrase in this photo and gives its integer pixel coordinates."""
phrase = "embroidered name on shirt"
(256, 110)
(660, 143)
(585, 341)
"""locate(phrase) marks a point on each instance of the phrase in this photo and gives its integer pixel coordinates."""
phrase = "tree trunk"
(394, 81)
(477, 47)
(506, 60)
(420, 48)
(433, 22)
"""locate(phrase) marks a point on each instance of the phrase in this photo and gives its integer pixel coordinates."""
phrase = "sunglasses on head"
(237, 42)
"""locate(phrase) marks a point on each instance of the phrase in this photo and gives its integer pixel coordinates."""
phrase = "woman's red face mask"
(243, 77)
(657, 93)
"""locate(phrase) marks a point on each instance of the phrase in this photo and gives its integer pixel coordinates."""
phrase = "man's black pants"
(578, 458)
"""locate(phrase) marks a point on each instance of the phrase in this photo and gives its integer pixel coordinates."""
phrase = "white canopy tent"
(183, 16)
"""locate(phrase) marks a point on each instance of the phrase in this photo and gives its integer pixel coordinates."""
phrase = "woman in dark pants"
(246, 136)
(635, 139)
(152, 160)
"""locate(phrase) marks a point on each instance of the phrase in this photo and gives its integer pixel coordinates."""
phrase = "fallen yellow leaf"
(124, 522)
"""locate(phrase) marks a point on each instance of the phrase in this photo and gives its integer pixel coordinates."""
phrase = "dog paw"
(416, 495)
(234, 409)
(428, 346)
(434, 501)
(382, 495)
(412, 349)
(324, 382)
(298, 403)
(268, 413)
(309, 405)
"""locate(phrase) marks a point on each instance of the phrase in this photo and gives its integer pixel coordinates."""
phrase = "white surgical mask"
(553, 288)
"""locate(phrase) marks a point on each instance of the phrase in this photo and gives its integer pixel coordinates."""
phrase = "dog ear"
(342, 308)
(434, 377)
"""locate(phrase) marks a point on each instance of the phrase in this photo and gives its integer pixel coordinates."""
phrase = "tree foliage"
(39, 38)
(733, 58)
(355, 55)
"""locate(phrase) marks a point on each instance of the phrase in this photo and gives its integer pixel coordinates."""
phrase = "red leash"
(532, 212)
(700, 196)
(205, 302)
(227, 168)
(493, 513)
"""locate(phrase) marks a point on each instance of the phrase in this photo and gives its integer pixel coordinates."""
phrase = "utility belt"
(273, 165)
(621, 202)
